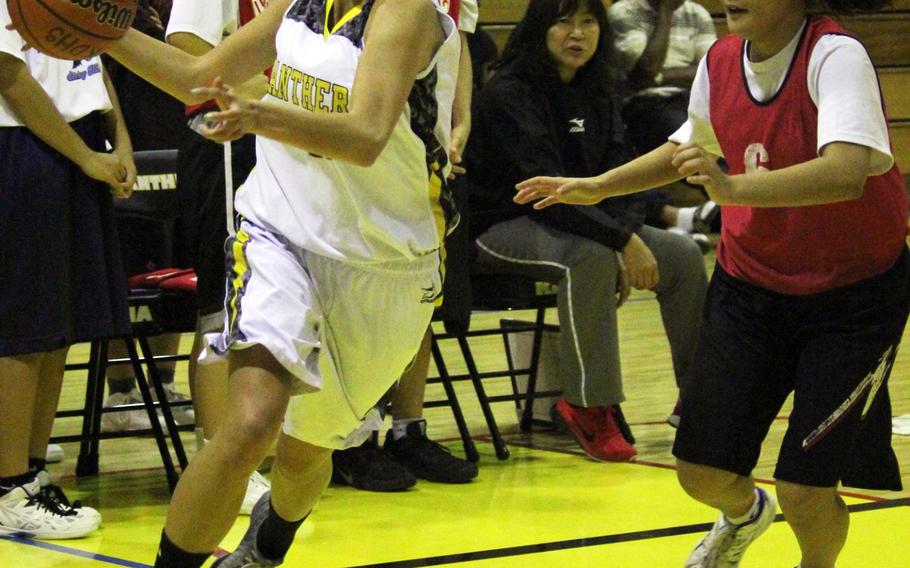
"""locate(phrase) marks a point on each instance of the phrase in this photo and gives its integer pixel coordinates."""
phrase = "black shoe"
(706, 218)
(426, 459)
(370, 468)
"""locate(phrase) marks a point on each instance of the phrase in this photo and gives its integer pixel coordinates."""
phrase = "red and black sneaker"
(597, 430)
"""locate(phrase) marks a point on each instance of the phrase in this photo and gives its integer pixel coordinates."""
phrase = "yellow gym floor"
(547, 505)
(539, 508)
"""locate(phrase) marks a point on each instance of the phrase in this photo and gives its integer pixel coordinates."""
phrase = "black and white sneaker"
(370, 468)
(27, 511)
(427, 459)
(247, 555)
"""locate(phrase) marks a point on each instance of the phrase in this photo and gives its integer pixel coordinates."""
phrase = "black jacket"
(524, 127)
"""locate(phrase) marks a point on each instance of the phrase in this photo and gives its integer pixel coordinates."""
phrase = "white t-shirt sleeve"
(11, 42)
(210, 20)
(698, 127)
(844, 88)
(467, 16)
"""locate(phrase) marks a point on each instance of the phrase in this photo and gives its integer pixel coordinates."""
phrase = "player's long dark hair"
(847, 6)
(527, 46)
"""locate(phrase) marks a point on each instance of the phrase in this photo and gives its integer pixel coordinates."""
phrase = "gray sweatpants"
(586, 273)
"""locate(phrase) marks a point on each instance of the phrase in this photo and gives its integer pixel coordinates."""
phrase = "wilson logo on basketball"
(108, 13)
(71, 29)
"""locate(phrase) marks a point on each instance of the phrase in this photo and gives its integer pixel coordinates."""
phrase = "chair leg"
(163, 449)
(527, 416)
(470, 449)
(87, 462)
(155, 379)
(502, 451)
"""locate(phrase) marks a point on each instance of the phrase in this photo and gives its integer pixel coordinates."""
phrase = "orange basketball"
(71, 29)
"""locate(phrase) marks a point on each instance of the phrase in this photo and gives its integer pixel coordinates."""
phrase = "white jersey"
(76, 87)
(211, 20)
(396, 210)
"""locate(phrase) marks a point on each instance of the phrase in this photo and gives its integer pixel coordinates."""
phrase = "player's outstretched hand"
(238, 115)
(700, 168)
(546, 191)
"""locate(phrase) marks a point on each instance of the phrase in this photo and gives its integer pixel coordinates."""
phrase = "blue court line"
(74, 551)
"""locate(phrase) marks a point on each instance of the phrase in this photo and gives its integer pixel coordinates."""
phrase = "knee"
(248, 435)
(803, 503)
(703, 483)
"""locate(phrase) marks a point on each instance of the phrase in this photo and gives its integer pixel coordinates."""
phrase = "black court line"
(591, 541)
(74, 552)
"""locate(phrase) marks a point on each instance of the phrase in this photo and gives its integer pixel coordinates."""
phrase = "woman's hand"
(553, 190)
(640, 264)
(456, 148)
(700, 168)
(125, 188)
(109, 169)
(623, 288)
(238, 116)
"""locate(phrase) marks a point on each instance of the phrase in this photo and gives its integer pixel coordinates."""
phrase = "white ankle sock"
(400, 427)
(751, 514)
(685, 218)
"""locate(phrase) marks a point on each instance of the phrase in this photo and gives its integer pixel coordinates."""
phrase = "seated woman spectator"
(551, 109)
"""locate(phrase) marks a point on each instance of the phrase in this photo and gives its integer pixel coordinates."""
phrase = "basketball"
(71, 29)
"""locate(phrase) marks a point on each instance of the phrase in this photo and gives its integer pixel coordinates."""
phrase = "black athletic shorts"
(61, 280)
(200, 187)
(832, 350)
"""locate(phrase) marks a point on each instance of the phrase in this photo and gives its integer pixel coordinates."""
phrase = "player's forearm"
(39, 114)
(237, 59)
(837, 176)
(254, 88)
(648, 171)
(168, 68)
(351, 137)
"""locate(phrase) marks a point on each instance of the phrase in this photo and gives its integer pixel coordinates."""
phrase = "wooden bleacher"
(885, 34)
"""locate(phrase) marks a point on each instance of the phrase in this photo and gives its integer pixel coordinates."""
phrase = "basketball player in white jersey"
(335, 267)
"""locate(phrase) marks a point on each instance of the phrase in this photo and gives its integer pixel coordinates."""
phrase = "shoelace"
(41, 501)
(56, 495)
(740, 540)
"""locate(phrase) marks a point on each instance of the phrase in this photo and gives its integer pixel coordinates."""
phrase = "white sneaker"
(124, 420)
(725, 544)
(183, 415)
(54, 454)
(25, 511)
(255, 488)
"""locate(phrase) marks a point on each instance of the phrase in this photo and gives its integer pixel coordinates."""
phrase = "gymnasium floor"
(547, 505)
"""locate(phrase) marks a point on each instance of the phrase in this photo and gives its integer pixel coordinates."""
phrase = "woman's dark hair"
(847, 6)
(527, 46)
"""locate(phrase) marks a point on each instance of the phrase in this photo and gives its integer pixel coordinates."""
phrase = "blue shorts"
(61, 277)
(833, 350)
